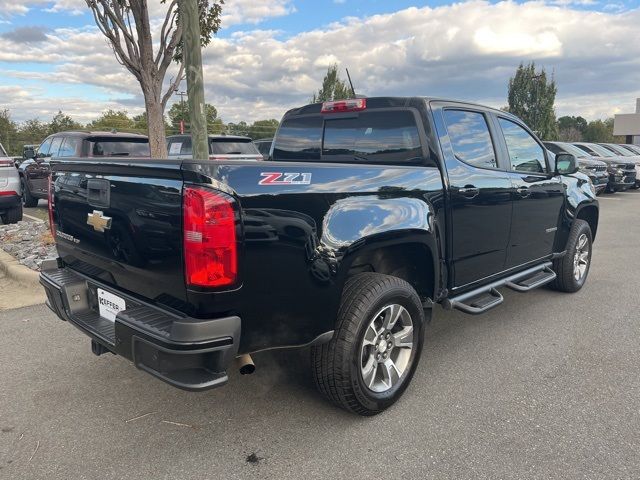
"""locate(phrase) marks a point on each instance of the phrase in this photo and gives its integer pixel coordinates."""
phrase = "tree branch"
(173, 86)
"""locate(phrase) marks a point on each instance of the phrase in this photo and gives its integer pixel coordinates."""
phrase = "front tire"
(28, 200)
(376, 347)
(573, 268)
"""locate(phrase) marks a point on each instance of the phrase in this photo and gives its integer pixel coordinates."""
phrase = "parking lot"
(546, 385)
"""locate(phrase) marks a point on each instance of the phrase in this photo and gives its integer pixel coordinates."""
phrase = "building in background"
(628, 124)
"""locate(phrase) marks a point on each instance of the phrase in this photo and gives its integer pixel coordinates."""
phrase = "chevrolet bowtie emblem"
(98, 221)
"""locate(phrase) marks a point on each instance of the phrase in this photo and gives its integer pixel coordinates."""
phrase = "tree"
(62, 123)
(598, 131)
(140, 122)
(9, 133)
(240, 128)
(112, 119)
(571, 129)
(33, 131)
(332, 87)
(179, 111)
(263, 129)
(531, 97)
(127, 27)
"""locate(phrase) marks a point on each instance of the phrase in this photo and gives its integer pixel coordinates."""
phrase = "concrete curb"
(23, 275)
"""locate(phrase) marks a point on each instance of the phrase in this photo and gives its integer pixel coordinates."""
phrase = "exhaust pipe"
(245, 364)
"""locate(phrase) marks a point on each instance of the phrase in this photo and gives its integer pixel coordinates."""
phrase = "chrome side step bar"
(486, 297)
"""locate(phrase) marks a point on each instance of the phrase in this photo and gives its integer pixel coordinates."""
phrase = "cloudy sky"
(271, 55)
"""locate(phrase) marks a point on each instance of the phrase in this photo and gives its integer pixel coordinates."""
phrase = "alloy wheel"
(581, 257)
(386, 348)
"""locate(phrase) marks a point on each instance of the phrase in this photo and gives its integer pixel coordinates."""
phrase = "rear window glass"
(372, 137)
(299, 138)
(3, 152)
(119, 147)
(226, 147)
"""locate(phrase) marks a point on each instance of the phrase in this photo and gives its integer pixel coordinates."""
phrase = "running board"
(486, 297)
(534, 281)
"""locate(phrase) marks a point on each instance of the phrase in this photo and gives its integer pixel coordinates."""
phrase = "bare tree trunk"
(155, 119)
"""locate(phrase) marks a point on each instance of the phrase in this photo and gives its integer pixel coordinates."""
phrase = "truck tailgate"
(120, 222)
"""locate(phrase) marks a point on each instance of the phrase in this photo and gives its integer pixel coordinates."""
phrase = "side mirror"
(566, 164)
(29, 153)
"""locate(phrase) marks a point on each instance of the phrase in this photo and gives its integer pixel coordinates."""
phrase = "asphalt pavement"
(545, 386)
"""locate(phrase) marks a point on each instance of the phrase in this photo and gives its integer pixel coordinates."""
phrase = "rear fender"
(402, 230)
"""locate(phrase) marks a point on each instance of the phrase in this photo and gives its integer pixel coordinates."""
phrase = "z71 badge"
(281, 178)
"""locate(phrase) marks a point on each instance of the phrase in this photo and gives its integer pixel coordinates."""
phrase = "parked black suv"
(622, 172)
(34, 171)
(372, 211)
(590, 166)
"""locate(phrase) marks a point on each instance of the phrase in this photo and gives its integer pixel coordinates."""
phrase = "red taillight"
(352, 105)
(7, 163)
(52, 225)
(210, 249)
(7, 193)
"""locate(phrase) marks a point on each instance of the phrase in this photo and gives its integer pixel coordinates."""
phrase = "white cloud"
(10, 8)
(466, 51)
(236, 12)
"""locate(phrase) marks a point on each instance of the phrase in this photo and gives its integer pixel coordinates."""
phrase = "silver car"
(10, 194)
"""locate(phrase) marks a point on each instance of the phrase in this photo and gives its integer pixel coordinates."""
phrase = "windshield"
(3, 152)
(621, 151)
(603, 152)
(232, 147)
(573, 150)
(119, 147)
(633, 148)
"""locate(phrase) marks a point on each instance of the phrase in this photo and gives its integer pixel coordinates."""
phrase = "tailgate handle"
(99, 192)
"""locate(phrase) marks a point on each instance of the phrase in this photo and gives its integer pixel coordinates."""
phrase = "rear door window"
(69, 147)
(373, 137)
(470, 138)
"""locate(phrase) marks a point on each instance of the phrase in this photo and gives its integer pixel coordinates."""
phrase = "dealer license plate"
(109, 304)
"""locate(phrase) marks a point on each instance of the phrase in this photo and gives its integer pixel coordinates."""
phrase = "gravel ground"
(28, 241)
(545, 386)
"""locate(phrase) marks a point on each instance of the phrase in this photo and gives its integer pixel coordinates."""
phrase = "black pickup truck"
(371, 212)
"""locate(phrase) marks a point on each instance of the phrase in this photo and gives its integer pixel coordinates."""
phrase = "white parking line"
(33, 218)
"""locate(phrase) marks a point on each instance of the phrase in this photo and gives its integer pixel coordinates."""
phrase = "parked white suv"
(10, 194)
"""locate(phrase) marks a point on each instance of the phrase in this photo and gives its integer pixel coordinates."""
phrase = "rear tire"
(378, 336)
(573, 268)
(12, 216)
(28, 200)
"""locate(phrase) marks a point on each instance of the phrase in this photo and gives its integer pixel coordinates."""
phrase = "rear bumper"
(188, 353)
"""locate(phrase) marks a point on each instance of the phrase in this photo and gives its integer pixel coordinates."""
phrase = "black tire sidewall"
(406, 297)
(582, 228)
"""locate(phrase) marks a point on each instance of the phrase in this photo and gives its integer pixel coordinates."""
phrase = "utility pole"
(192, 51)
(181, 95)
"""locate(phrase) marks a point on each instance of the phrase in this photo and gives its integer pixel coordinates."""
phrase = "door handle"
(469, 191)
(523, 191)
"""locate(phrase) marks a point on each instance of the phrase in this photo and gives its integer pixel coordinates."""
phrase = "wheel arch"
(590, 213)
(410, 256)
